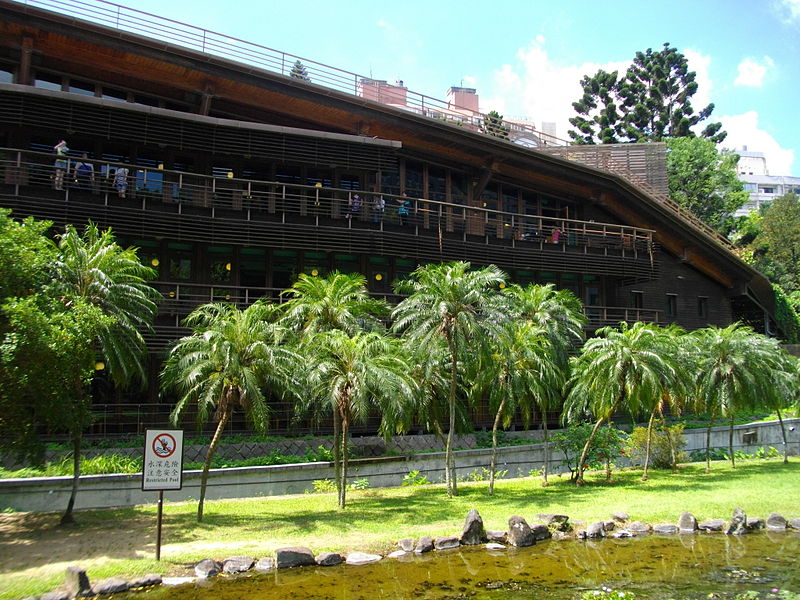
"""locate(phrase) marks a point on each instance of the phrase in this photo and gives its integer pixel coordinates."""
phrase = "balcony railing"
(160, 190)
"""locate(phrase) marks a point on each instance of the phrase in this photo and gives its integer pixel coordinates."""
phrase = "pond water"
(686, 566)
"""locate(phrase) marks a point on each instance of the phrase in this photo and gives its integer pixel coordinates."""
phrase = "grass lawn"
(34, 550)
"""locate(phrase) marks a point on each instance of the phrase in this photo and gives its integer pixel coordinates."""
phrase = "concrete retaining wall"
(102, 491)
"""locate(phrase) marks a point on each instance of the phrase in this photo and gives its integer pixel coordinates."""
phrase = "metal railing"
(248, 199)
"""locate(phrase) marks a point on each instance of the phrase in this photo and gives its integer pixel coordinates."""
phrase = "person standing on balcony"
(403, 209)
(61, 164)
(84, 173)
(121, 180)
(378, 206)
(354, 206)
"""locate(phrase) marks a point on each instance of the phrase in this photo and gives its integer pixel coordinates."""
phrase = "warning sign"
(163, 460)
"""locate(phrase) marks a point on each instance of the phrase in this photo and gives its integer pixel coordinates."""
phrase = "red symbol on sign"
(164, 445)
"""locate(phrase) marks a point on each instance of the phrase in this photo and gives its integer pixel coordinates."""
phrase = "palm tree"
(452, 304)
(92, 269)
(355, 375)
(521, 367)
(559, 313)
(226, 364)
(738, 368)
(341, 302)
(625, 367)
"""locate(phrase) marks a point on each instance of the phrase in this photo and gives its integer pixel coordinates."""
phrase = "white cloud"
(700, 64)
(752, 72)
(743, 130)
(469, 81)
(789, 10)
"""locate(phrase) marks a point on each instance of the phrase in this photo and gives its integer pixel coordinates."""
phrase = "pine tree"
(299, 71)
(494, 126)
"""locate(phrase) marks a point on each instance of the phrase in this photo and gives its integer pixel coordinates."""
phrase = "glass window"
(46, 81)
(702, 306)
(220, 265)
(672, 305)
(6, 76)
(180, 261)
(81, 87)
(637, 299)
(112, 94)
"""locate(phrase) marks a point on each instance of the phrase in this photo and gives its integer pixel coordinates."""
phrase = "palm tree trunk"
(546, 451)
(343, 480)
(649, 444)
(493, 463)
(708, 444)
(730, 444)
(450, 466)
(212, 448)
(581, 462)
(783, 434)
(337, 447)
(67, 518)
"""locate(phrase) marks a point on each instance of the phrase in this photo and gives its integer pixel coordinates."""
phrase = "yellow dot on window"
(227, 266)
(314, 272)
(155, 262)
(99, 365)
(502, 286)
(378, 277)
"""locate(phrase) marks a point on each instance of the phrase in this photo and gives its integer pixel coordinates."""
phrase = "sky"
(526, 57)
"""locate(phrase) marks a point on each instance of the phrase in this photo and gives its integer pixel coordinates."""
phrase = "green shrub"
(664, 440)
(360, 484)
(483, 439)
(322, 486)
(414, 478)
(607, 444)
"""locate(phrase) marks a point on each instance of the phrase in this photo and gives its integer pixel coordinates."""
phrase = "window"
(672, 305)
(767, 190)
(637, 299)
(48, 82)
(702, 306)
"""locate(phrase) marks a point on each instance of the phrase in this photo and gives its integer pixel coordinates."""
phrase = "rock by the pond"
(596, 530)
(738, 524)
(557, 522)
(148, 580)
(406, 544)
(237, 564)
(665, 529)
(362, 558)
(266, 564)
(425, 544)
(621, 533)
(794, 523)
(206, 568)
(396, 554)
(540, 532)
(687, 523)
(329, 559)
(498, 537)
(112, 585)
(474, 532)
(776, 522)
(519, 532)
(76, 581)
(294, 556)
(638, 527)
(609, 525)
(495, 546)
(711, 525)
(620, 517)
(59, 595)
(446, 542)
(755, 523)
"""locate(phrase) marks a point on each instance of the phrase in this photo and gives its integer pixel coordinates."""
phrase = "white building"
(762, 187)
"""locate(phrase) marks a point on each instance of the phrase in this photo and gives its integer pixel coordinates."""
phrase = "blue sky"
(525, 57)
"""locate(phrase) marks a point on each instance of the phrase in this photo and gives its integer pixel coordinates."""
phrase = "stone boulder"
(265, 565)
(540, 532)
(148, 580)
(495, 546)
(76, 581)
(446, 542)
(711, 525)
(687, 523)
(776, 522)
(519, 532)
(473, 533)
(396, 554)
(596, 530)
(294, 556)
(638, 527)
(738, 524)
(557, 522)
(665, 529)
(362, 558)
(329, 559)
(206, 568)
(424, 544)
(237, 564)
(112, 585)
(621, 533)
(755, 523)
(499, 537)
(406, 544)
(609, 525)
(59, 595)
(620, 517)
(794, 523)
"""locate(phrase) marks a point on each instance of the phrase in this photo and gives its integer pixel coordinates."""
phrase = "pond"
(686, 566)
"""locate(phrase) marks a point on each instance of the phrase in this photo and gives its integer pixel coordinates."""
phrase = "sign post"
(162, 468)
